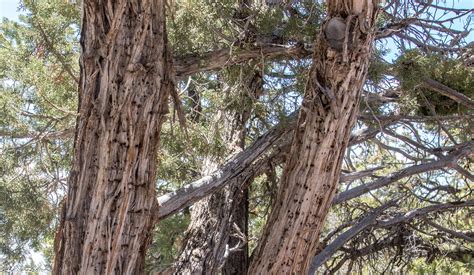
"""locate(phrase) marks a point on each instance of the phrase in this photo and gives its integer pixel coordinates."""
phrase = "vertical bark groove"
(125, 82)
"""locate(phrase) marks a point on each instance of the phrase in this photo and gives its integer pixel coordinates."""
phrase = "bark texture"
(326, 118)
(216, 237)
(125, 82)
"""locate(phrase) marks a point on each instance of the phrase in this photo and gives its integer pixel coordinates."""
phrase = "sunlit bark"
(125, 81)
(328, 112)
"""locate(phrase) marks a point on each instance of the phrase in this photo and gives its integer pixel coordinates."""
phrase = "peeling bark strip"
(124, 86)
(312, 171)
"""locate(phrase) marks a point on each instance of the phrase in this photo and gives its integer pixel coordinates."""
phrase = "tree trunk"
(125, 81)
(326, 118)
(216, 238)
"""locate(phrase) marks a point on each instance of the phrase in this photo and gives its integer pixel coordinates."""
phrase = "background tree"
(37, 114)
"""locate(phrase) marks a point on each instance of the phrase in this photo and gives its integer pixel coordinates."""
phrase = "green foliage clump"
(166, 243)
(378, 67)
(414, 66)
(25, 221)
(38, 103)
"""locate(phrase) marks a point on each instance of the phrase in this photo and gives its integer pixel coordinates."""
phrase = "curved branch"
(447, 91)
(237, 168)
(362, 224)
(370, 221)
(464, 150)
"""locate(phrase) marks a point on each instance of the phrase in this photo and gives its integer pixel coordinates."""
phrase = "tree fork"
(328, 112)
(126, 77)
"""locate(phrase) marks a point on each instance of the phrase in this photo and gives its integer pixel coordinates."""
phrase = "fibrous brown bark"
(216, 237)
(326, 118)
(125, 82)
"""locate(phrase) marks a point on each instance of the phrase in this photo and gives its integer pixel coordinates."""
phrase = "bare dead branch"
(363, 223)
(370, 221)
(242, 167)
(454, 233)
(236, 169)
(447, 161)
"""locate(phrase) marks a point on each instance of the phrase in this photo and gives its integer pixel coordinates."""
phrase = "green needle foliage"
(414, 66)
(39, 71)
(38, 63)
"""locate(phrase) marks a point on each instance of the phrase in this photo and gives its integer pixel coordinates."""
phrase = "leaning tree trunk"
(326, 118)
(216, 237)
(126, 78)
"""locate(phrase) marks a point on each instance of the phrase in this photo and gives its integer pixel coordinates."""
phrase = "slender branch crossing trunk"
(328, 113)
(125, 81)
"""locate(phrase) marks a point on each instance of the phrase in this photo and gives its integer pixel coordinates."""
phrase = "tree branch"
(363, 223)
(447, 91)
(242, 167)
(420, 212)
(456, 234)
(370, 221)
(464, 150)
(58, 55)
(193, 63)
(236, 169)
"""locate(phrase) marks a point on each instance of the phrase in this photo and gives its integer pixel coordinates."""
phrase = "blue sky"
(9, 9)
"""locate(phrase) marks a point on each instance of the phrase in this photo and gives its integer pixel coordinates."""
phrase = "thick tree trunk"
(125, 82)
(216, 237)
(326, 118)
